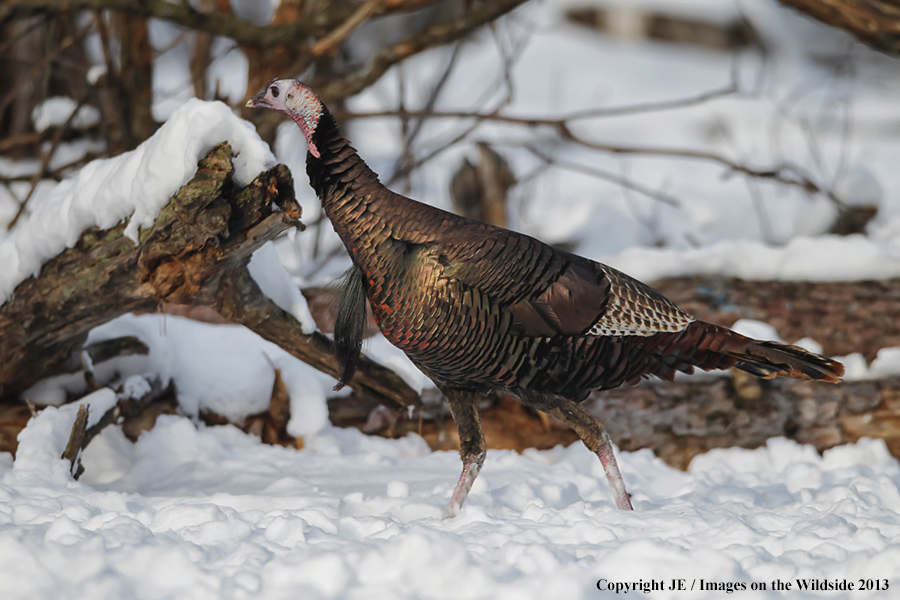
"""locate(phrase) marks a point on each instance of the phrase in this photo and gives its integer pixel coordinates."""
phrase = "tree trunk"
(681, 420)
(196, 253)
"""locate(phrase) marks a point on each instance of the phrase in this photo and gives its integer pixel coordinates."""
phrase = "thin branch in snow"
(436, 35)
(621, 180)
(45, 162)
(594, 113)
(76, 443)
(331, 42)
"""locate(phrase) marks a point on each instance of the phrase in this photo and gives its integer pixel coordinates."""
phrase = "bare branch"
(45, 162)
(57, 173)
(873, 22)
(436, 35)
(594, 113)
(213, 22)
(784, 172)
(624, 182)
(405, 164)
(330, 43)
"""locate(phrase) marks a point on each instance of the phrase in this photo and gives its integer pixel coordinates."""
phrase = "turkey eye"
(274, 90)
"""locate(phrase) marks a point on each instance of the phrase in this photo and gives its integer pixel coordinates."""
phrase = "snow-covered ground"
(196, 512)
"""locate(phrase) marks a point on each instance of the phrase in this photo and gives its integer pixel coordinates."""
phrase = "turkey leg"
(594, 436)
(472, 447)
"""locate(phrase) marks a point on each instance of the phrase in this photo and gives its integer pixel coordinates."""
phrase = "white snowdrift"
(823, 258)
(211, 513)
(228, 370)
(134, 185)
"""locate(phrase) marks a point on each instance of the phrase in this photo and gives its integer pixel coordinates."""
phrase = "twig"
(57, 173)
(45, 161)
(786, 173)
(72, 453)
(433, 36)
(759, 208)
(411, 133)
(41, 65)
(651, 220)
(215, 23)
(36, 24)
(508, 61)
(606, 176)
(594, 113)
(330, 43)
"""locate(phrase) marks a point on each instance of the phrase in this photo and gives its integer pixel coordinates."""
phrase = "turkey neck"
(339, 177)
(363, 212)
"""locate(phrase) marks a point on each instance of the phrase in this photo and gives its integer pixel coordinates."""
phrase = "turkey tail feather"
(764, 359)
(772, 359)
(349, 325)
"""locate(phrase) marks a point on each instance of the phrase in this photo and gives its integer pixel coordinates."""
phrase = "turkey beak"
(258, 100)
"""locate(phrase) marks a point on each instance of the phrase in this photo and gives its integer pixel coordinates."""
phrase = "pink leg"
(471, 467)
(611, 467)
(594, 436)
(472, 447)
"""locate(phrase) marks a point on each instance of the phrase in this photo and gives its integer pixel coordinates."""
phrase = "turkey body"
(480, 308)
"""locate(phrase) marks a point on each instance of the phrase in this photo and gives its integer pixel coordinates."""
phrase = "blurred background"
(740, 154)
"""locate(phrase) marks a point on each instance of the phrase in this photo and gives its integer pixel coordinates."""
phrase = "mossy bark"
(195, 253)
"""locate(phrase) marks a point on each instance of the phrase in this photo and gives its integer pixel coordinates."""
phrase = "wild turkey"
(480, 308)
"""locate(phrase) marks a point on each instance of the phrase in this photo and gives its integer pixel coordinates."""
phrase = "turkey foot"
(611, 468)
(471, 466)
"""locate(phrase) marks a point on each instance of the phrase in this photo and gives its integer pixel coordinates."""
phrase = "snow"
(210, 512)
(226, 369)
(886, 364)
(393, 358)
(54, 112)
(823, 258)
(277, 285)
(133, 186)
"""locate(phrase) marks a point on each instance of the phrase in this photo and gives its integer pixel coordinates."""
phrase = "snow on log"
(194, 250)
(132, 186)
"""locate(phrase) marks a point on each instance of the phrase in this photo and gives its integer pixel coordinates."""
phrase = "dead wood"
(195, 253)
(677, 421)
(76, 443)
(843, 316)
(680, 420)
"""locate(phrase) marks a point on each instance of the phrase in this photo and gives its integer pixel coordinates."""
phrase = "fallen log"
(196, 253)
(682, 419)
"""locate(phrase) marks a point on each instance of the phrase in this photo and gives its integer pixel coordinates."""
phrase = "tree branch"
(195, 253)
(784, 173)
(214, 22)
(875, 23)
(436, 35)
